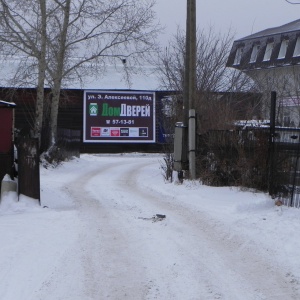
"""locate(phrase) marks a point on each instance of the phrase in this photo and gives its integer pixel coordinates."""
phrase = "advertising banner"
(118, 117)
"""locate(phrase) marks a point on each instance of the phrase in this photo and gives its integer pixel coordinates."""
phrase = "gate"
(286, 166)
(29, 167)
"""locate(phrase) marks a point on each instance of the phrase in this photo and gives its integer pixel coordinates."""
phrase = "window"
(297, 48)
(283, 48)
(254, 53)
(268, 52)
(238, 56)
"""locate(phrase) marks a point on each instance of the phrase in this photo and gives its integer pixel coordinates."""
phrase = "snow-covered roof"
(269, 48)
(252, 123)
(289, 27)
(5, 103)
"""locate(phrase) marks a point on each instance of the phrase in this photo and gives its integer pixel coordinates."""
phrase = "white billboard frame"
(111, 116)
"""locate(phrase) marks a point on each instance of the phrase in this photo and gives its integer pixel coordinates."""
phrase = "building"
(272, 59)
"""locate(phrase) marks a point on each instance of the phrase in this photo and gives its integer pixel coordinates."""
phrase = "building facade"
(272, 59)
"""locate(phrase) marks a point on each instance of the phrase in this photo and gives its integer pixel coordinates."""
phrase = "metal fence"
(251, 158)
(285, 166)
(233, 158)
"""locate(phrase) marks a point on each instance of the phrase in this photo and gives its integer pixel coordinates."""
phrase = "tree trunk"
(58, 73)
(54, 112)
(41, 75)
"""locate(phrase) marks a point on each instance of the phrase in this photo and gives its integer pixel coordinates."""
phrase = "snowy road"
(189, 255)
(121, 252)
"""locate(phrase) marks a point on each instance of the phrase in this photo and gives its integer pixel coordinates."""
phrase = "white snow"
(94, 237)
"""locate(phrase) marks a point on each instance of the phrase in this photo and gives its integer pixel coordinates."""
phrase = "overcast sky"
(244, 17)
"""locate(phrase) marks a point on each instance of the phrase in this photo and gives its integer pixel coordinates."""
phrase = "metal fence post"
(271, 144)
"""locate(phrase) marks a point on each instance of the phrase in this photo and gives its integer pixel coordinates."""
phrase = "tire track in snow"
(188, 256)
(223, 258)
(90, 259)
(112, 264)
(101, 259)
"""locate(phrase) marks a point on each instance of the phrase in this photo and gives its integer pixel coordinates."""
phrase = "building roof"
(7, 104)
(286, 28)
(269, 48)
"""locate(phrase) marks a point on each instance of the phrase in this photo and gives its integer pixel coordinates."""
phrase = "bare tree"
(212, 76)
(63, 41)
(88, 34)
(285, 81)
(23, 35)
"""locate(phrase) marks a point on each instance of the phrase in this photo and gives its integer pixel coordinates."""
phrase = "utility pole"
(185, 132)
(189, 93)
(186, 89)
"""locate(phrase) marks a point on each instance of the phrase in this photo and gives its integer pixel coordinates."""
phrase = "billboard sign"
(118, 117)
